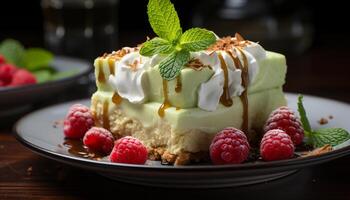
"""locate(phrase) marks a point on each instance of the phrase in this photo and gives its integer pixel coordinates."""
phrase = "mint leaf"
(331, 136)
(196, 39)
(64, 74)
(36, 58)
(303, 118)
(171, 66)
(163, 19)
(320, 137)
(13, 51)
(42, 75)
(155, 46)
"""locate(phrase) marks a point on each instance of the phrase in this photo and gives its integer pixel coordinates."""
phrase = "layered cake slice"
(233, 83)
(176, 91)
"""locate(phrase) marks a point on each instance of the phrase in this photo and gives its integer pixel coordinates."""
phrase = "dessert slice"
(175, 96)
(177, 119)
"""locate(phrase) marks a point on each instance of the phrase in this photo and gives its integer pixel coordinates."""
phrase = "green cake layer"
(271, 74)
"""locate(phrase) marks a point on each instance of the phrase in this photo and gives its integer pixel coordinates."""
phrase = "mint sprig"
(320, 137)
(196, 39)
(13, 51)
(32, 58)
(163, 19)
(155, 46)
(171, 65)
(36, 58)
(171, 41)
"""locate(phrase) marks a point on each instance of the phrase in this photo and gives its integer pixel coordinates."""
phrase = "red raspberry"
(99, 139)
(129, 150)
(78, 120)
(2, 60)
(7, 72)
(276, 145)
(229, 146)
(283, 118)
(22, 77)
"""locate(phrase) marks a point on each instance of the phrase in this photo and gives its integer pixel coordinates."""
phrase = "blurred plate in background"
(15, 97)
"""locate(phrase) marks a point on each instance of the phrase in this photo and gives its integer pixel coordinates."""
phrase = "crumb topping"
(117, 55)
(133, 65)
(227, 43)
(196, 64)
(318, 151)
(323, 121)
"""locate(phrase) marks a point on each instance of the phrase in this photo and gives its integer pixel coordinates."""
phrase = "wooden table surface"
(323, 72)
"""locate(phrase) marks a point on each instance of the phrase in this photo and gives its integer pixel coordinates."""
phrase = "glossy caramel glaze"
(178, 87)
(101, 75)
(166, 104)
(116, 99)
(111, 63)
(225, 98)
(105, 116)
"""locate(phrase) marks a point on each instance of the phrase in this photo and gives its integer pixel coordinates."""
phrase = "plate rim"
(292, 163)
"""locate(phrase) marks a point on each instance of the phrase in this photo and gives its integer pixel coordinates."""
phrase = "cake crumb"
(323, 121)
(316, 152)
(196, 64)
(330, 117)
(58, 123)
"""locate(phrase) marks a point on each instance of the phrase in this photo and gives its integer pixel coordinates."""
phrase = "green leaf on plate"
(36, 58)
(64, 74)
(331, 136)
(42, 75)
(13, 51)
(303, 117)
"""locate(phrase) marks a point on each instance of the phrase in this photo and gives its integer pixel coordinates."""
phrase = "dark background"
(24, 20)
(322, 69)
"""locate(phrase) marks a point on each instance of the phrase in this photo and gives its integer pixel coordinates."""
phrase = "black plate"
(24, 95)
(36, 131)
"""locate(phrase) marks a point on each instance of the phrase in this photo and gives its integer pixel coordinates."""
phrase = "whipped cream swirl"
(127, 80)
(210, 92)
(129, 72)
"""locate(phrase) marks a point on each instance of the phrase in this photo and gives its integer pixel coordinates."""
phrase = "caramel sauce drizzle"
(166, 104)
(225, 98)
(111, 66)
(101, 75)
(244, 96)
(105, 115)
(77, 148)
(94, 116)
(178, 87)
(116, 98)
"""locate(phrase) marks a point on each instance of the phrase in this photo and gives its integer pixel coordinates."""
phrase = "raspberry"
(229, 146)
(22, 77)
(283, 118)
(99, 139)
(2, 60)
(276, 145)
(129, 150)
(7, 72)
(78, 120)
